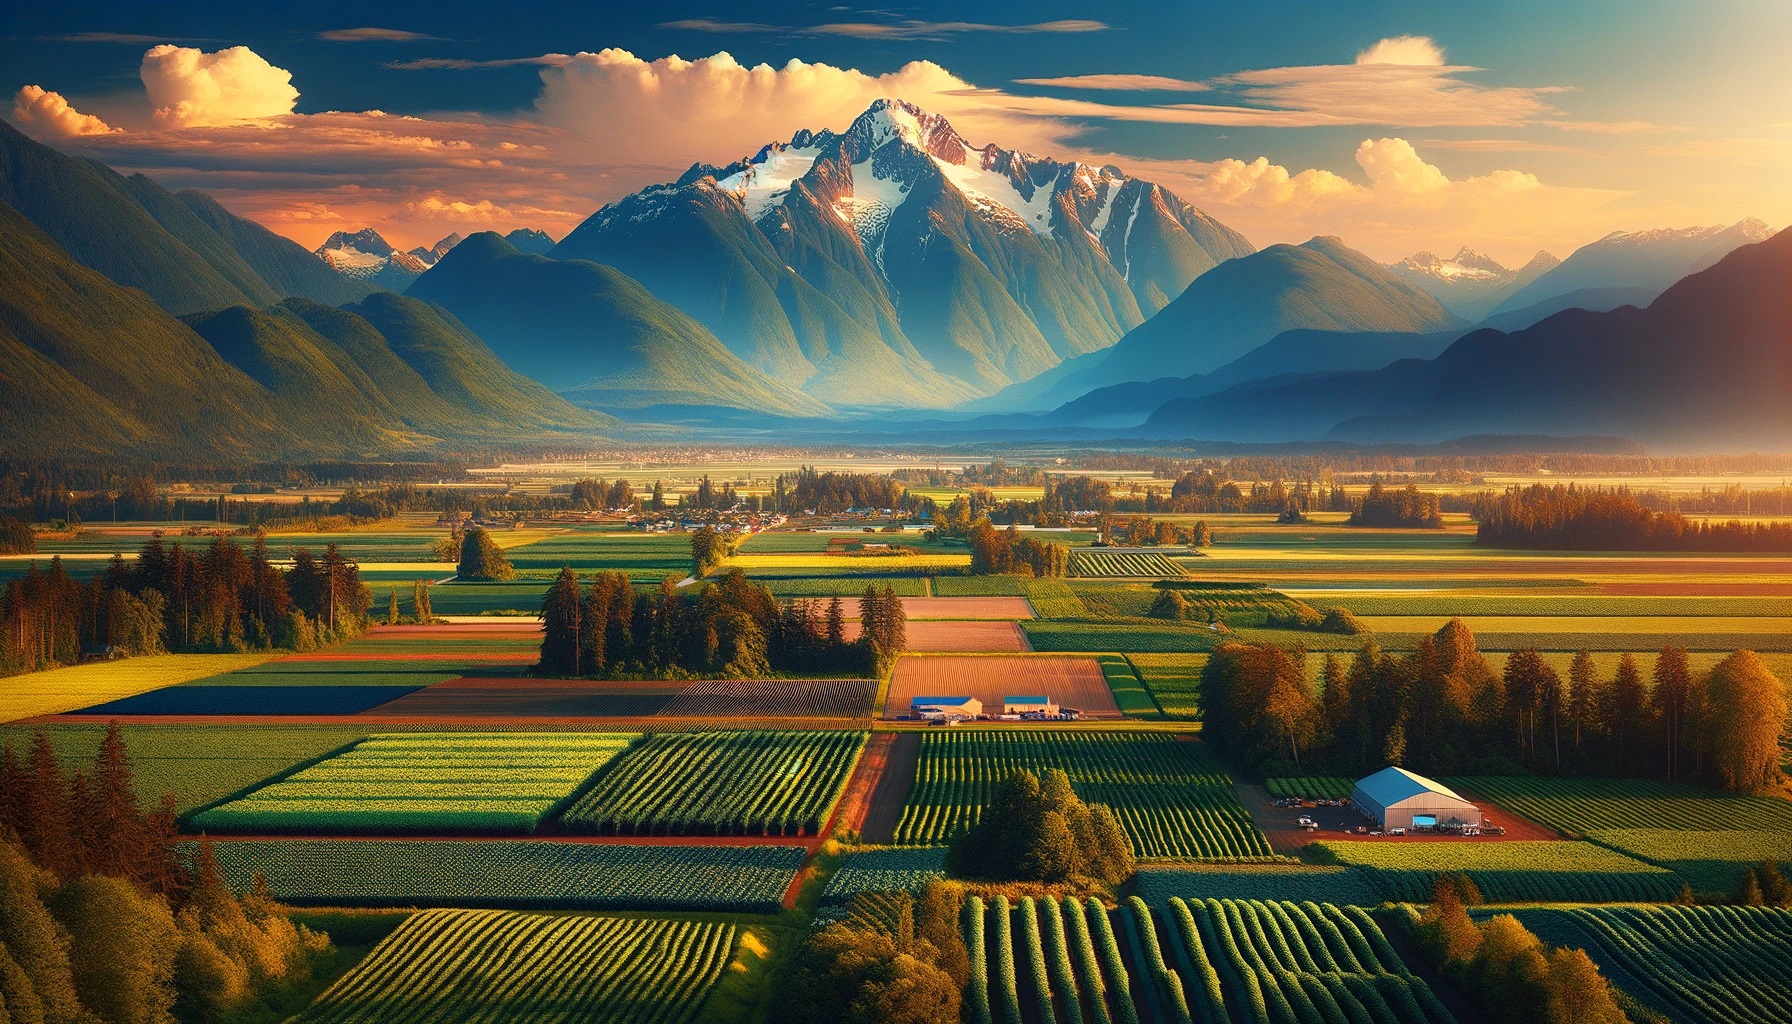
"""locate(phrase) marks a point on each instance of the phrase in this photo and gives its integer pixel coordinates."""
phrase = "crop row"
(1066, 962)
(1169, 796)
(721, 783)
(412, 782)
(1108, 564)
(513, 873)
(1578, 806)
(1709, 965)
(455, 965)
(1711, 861)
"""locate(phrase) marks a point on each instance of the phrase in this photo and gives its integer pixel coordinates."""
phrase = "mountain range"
(1470, 284)
(1704, 365)
(895, 264)
(365, 256)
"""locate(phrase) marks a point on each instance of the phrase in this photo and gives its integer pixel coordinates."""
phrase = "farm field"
(78, 686)
(1701, 965)
(196, 764)
(723, 783)
(1168, 793)
(425, 782)
(513, 873)
(967, 636)
(1507, 872)
(643, 556)
(1173, 680)
(1049, 958)
(821, 563)
(1101, 636)
(1071, 682)
(450, 965)
(1713, 862)
(1102, 563)
(1579, 806)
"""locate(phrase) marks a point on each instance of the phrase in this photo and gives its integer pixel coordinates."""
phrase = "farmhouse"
(1028, 705)
(945, 708)
(1397, 798)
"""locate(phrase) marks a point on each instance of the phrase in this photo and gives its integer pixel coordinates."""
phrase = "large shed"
(1397, 798)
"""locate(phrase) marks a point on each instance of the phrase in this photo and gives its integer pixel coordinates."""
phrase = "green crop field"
(1711, 861)
(425, 782)
(196, 764)
(1130, 694)
(1699, 965)
(1102, 563)
(646, 555)
(496, 965)
(1093, 637)
(1050, 959)
(1577, 806)
(721, 783)
(1174, 681)
(1507, 872)
(848, 590)
(1169, 795)
(1051, 598)
(1157, 883)
(513, 873)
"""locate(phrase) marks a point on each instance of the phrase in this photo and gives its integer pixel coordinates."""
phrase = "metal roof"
(942, 701)
(1026, 698)
(1392, 785)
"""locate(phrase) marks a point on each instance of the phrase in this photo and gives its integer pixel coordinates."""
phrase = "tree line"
(733, 628)
(218, 597)
(1406, 507)
(1009, 552)
(105, 916)
(1581, 519)
(1442, 709)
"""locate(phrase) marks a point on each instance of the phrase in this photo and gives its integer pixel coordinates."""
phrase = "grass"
(845, 565)
(1711, 861)
(78, 686)
(1578, 805)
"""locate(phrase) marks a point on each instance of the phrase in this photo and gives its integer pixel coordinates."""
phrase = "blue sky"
(1504, 126)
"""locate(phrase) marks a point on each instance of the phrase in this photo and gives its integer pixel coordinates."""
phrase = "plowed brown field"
(1070, 682)
(954, 636)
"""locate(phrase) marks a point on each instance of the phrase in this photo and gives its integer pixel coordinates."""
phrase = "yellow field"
(66, 689)
(1616, 624)
(944, 495)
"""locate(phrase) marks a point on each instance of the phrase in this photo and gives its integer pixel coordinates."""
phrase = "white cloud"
(1409, 50)
(1407, 204)
(674, 112)
(188, 87)
(1139, 83)
(47, 115)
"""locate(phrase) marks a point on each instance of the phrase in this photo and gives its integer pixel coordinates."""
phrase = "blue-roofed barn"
(1394, 797)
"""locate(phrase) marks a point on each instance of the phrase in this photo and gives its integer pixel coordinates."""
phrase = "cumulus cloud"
(1403, 204)
(675, 112)
(1416, 51)
(189, 87)
(372, 35)
(46, 115)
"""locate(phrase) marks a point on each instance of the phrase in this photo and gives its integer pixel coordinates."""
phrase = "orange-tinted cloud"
(189, 87)
(46, 115)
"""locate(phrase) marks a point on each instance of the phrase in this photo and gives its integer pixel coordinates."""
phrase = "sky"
(1509, 127)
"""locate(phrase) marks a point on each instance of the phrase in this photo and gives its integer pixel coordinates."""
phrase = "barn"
(1029, 704)
(945, 708)
(1397, 798)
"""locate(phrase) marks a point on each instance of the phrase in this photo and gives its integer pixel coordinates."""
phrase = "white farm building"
(1397, 798)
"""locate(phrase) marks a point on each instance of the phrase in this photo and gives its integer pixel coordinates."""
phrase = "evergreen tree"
(1671, 697)
(481, 559)
(392, 607)
(560, 631)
